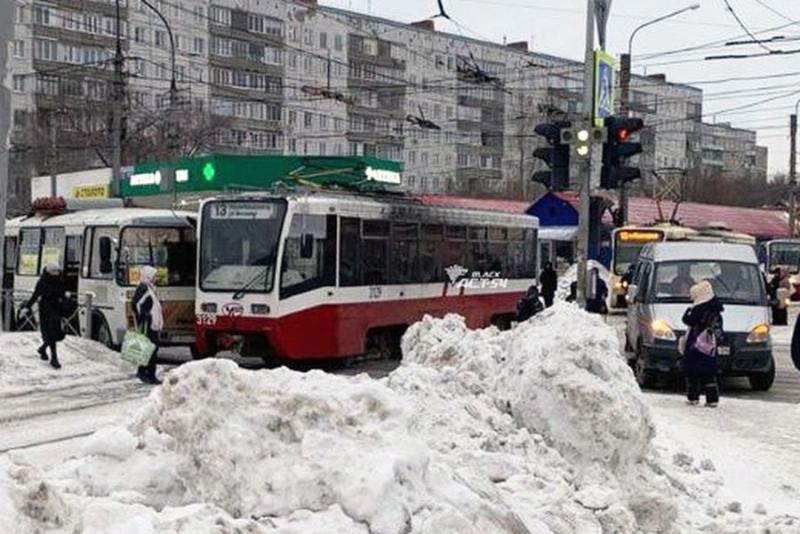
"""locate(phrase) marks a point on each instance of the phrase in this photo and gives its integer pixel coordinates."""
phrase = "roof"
(488, 204)
(680, 250)
(113, 216)
(570, 198)
(759, 223)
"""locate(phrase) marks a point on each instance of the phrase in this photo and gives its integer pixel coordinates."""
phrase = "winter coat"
(796, 344)
(699, 318)
(549, 282)
(146, 307)
(52, 299)
(528, 306)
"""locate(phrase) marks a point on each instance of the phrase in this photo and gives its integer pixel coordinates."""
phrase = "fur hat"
(52, 268)
(148, 275)
(701, 292)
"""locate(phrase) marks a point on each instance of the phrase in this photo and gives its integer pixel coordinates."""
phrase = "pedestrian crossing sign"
(604, 72)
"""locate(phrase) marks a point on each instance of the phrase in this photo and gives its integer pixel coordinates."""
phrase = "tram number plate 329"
(375, 292)
(206, 319)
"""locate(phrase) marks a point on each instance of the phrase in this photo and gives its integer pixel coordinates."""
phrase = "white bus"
(101, 252)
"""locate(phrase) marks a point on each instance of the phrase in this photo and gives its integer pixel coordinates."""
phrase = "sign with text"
(90, 191)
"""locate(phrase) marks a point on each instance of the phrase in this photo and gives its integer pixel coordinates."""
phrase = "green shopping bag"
(137, 348)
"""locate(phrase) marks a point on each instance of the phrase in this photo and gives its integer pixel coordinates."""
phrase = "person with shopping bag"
(52, 298)
(699, 345)
(149, 320)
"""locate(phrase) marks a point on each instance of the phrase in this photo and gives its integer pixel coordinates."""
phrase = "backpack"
(706, 342)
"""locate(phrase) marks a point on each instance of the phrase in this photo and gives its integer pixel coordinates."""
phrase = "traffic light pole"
(624, 99)
(792, 174)
(586, 171)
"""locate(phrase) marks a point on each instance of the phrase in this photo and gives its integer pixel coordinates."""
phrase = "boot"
(141, 374)
(54, 363)
(43, 353)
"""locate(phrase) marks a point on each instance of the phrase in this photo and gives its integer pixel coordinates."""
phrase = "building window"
(307, 119)
(19, 48)
(198, 14)
(292, 148)
(45, 49)
(323, 122)
(338, 43)
(19, 83)
(41, 15)
(220, 15)
(199, 45)
(323, 40)
(159, 34)
(20, 17)
(308, 37)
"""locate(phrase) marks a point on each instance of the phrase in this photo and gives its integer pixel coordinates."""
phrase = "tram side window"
(478, 249)
(430, 253)
(300, 274)
(455, 249)
(404, 259)
(374, 247)
(30, 244)
(350, 252)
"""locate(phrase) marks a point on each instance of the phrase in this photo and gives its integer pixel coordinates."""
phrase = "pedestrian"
(704, 319)
(149, 319)
(52, 299)
(549, 282)
(796, 344)
(529, 305)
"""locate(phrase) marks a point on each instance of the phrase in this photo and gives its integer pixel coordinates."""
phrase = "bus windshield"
(627, 246)
(785, 256)
(733, 282)
(171, 250)
(239, 245)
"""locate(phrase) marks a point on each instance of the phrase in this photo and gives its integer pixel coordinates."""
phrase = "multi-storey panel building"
(293, 77)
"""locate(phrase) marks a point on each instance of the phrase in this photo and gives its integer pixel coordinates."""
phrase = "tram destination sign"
(242, 210)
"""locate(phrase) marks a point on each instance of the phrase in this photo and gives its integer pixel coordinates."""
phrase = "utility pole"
(586, 178)
(520, 130)
(624, 104)
(116, 110)
(6, 35)
(792, 174)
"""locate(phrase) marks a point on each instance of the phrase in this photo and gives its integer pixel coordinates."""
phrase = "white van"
(659, 296)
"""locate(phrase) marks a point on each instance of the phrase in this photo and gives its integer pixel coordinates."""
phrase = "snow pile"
(536, 430)
(571, 275)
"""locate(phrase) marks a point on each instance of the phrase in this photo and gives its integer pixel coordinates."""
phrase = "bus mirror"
(307, 246)
(105, 255)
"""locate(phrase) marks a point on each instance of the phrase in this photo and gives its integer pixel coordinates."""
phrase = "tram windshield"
(785, 256)
(239, 245)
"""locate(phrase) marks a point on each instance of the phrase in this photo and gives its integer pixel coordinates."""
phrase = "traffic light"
(616, 151)
(556, 155)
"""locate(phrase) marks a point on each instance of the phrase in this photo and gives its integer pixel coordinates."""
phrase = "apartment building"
(293, 77)
(720, 149)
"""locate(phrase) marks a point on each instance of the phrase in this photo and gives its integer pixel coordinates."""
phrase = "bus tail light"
(208, 307)
(260, 309)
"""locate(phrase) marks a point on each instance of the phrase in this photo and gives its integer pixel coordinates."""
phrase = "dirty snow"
(540, 429)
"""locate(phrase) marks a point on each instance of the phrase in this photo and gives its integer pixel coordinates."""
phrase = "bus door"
(97, 278)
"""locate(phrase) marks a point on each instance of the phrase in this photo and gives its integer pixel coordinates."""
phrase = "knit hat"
(701, 292)
(148, 275)
(52, 268)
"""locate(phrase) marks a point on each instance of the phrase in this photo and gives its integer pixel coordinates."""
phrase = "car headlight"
(662, 330)
(759, 333)
(624, 284)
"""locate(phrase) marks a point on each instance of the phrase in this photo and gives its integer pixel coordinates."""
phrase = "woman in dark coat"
(52, 298)
(150, 318)
(704, 318)
(549, 282)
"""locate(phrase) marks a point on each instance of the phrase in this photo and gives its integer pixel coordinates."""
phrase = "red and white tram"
(315, 275)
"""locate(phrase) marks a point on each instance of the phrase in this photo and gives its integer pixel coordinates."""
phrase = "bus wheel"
(102, 333)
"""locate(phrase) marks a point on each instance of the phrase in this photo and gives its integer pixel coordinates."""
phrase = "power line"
(768, 7)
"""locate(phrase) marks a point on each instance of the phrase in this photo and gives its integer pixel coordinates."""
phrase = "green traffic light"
(209, 171)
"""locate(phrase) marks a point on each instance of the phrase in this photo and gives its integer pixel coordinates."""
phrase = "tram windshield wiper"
(260, 276)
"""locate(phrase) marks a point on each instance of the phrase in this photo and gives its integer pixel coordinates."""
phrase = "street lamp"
(625, 87)
(173, 87)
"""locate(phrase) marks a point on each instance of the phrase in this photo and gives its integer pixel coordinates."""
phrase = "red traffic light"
(622, 135)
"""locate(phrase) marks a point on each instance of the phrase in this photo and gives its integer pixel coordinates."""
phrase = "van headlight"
(662, 330)
(759, 333)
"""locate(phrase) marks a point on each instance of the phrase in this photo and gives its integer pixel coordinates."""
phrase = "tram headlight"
(208, 307)
(259, 309)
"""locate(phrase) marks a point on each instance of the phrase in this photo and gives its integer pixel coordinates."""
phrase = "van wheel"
(763, 381)
(646, 378)
(102, 333)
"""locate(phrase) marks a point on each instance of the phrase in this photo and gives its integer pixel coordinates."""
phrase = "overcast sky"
(557, 27)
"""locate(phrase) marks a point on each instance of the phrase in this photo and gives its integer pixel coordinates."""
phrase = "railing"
(13, 320)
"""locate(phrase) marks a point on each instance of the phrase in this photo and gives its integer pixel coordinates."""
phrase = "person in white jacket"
(149, 319)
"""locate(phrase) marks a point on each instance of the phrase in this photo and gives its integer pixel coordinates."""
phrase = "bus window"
(96, 269)
(53, 247)
(170, 250)
(30, 244)
(350, 252)
(10, 260)
(299, 274)
(72, 264)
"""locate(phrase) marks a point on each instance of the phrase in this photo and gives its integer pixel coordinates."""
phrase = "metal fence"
(15, 318)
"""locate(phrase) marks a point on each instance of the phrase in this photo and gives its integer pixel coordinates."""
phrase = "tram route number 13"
(375, 292)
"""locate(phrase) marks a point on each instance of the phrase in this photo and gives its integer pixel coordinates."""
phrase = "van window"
(733, 282)
(643, 279)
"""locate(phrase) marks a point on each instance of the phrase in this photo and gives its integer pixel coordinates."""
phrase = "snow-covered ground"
(540, 429)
